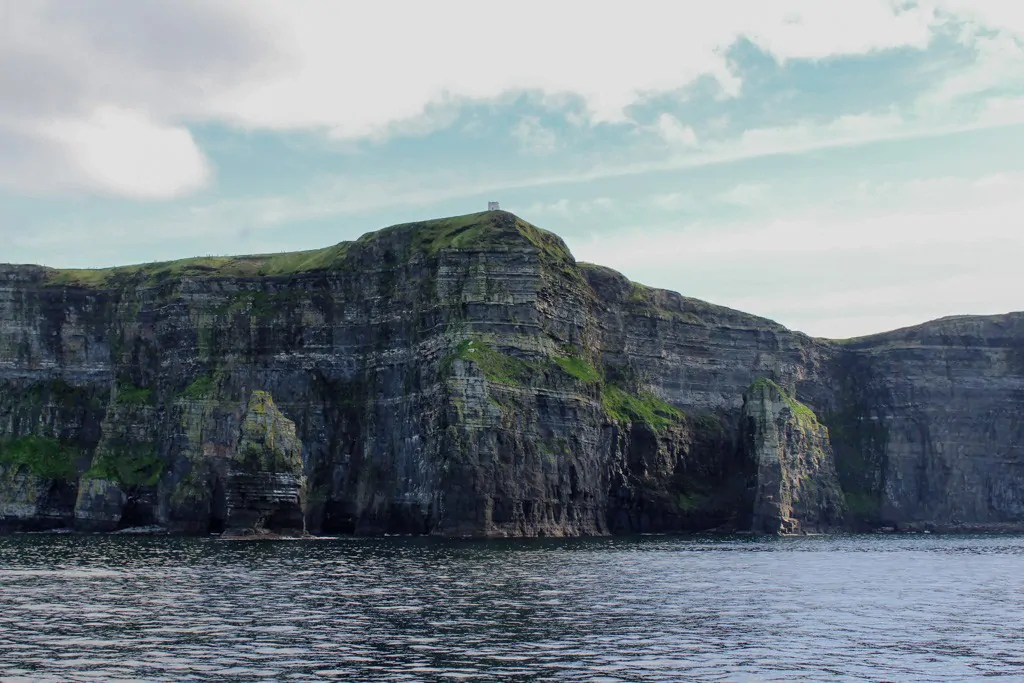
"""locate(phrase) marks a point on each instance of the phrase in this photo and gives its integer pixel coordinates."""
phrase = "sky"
(841, 166)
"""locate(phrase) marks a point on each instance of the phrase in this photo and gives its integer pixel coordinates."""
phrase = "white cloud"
(1002, 111)
(674, 201)
(909, 252)
(994, 15)
(370, 69)
(374, 70)
(566, 208)
(533, 137)
(121, 152)
(998, 67)
(97, 97)
(610, 58)
(674, 132)
(846, 130)
(745, 194)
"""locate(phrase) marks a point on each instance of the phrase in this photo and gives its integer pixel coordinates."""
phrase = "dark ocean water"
(897, 608)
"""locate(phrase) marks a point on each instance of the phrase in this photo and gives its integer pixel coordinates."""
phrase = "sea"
(883, 607)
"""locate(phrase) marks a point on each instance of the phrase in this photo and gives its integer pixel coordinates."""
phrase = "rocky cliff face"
(467, 377)
(797, 485)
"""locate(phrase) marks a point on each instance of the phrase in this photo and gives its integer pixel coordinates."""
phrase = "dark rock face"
(797, 485)
(265, 486)
(928, 424)
(467, 377)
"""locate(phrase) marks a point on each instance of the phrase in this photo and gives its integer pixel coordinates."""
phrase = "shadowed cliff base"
(466, 376)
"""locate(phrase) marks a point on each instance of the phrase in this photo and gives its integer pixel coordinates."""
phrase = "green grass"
(577, 367)
(802, 413)
(128, 394)
(256, 265)
(644, 407)
(129, 468)
(504, 369)
(495, 366)
(472, 230)
(476, 230)
(202, 387)
(43, 456)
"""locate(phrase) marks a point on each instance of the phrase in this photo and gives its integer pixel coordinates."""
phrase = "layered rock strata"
(467, 376)
(797, 485)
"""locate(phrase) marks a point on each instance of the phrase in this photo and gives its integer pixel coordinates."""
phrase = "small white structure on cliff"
(492, 206)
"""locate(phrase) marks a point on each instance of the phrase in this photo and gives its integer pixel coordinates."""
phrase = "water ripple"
(908, 608)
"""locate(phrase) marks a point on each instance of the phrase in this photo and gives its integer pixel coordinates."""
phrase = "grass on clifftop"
(209, 266)
(476, 230)
(44, 457)
(471, 230)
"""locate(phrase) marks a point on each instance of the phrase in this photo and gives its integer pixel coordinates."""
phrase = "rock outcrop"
(265, 486)
(467, 376)
(797, 485)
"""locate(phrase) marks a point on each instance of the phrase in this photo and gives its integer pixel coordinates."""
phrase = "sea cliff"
(467, 376)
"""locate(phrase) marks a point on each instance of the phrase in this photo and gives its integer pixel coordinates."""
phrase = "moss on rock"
(44, 457)
(645, 407)
(129, 467)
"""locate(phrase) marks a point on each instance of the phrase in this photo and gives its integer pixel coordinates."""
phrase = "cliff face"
(927, 424)
(797, 485)
(467, 376)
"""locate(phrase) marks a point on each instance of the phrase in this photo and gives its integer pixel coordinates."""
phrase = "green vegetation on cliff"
(487, 229)
(578, 367)
(495, 366)
(645, 407)
(44, 457)
(803, 414)
(257, 265)
(128, 394)
(200, 388)
(141, 467)
(504, 369)
(620, 404)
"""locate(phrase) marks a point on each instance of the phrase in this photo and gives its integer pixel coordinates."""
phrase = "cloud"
(998, 67)
(567, 208)
(745, 194)
(98, 98)
(363, 192)
(674, 201)
(992, 15)
(372, 70)
(612, 59)
(886, 255)
(122, 152)
(673, 132)
(533, 137)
